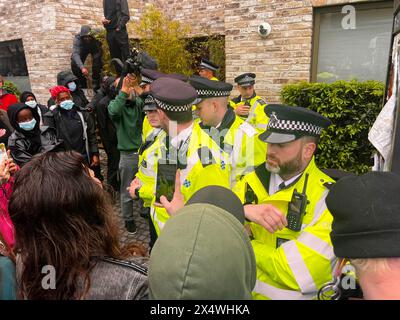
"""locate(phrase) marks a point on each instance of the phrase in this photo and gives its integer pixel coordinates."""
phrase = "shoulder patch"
(261, 101)
(248, 129)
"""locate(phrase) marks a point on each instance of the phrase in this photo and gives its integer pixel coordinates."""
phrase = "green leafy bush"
(352, 107)
(11, 88)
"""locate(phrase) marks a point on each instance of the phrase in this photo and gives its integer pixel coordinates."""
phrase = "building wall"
(47, 28)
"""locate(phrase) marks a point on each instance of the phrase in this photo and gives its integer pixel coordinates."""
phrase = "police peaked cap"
(173, 95)
(366, 216)
(207, 64)
(287, 123)
(149, 75)
(207, 88)
(149, 103)
(246, 79)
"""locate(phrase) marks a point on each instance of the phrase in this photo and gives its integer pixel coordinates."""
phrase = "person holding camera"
(116, 16)
(126, 113)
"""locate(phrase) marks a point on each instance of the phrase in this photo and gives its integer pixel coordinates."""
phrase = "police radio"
(297, 208)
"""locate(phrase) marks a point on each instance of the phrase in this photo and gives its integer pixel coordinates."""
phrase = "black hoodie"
(25, 144)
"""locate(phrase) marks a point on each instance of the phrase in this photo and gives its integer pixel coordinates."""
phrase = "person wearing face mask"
(69, 80)
(29, 138)
(75, 126)
(6, 98)
(29, 99)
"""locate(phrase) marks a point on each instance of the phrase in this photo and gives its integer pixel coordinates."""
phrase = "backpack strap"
(129, 264)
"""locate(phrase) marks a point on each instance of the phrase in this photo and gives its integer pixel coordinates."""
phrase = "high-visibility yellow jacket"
(214, 79)
(240, 141)
(148, 155)
(257, 117)
(291, 265)
(147, 129)
(213, 170)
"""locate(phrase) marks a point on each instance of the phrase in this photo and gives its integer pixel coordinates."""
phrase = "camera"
(264, 29)
(134, 63)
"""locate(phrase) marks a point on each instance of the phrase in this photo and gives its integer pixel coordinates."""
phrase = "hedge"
(352, 107)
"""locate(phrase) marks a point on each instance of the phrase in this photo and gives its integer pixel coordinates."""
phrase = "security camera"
(264, 29)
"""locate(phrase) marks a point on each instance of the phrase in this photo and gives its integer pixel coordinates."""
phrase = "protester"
(68, 223)
(67, 79)
(83, 45)
(116, 16)
(30, 100)
(6, 98)
(107, 131)
(203, 252)
(29, 138)
(126, 113)
(366, 230)
(75, 126)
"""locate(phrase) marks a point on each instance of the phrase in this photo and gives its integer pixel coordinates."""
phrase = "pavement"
(142, 235)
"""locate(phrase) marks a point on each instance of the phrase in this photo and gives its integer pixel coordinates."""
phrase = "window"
(352, 42)
(13, 64)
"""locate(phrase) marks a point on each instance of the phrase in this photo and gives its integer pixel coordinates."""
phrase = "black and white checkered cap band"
(290, 125)
(149, 100)
(173, 108)
(213, 93)
(146, 80)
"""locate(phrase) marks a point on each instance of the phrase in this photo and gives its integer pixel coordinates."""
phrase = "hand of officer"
(266, 215)
(133, 186)
(85, 71)
(242, 110)
(178, 201)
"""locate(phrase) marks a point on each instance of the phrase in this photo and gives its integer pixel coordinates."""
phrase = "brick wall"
(47, 28)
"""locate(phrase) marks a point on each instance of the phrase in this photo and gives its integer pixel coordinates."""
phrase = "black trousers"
(118, 43)
(96, 72)
(110, 147)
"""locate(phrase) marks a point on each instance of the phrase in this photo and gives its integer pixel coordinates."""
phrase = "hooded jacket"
(25, 144)
(78, 96)
(43, 109)
(202, 253)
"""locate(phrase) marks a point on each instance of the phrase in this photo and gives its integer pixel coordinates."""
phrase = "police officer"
(207, 69)
(248, 105)
(235, 136)
(185, 147)
(142, 186)
(284, 202)
(83, 45)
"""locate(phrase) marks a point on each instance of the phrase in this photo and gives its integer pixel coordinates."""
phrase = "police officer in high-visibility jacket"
(236, 137)
(207, 69)
(284, 202)
(148, 76)
(248, 105)
(185, 147)
(142, 186)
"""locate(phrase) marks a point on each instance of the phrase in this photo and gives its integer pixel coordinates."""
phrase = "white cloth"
(181, 137)
(276, 181)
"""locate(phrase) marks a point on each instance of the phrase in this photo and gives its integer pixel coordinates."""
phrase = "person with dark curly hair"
(67, 225)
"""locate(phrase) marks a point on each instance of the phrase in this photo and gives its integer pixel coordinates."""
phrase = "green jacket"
(203, 253)
(128, 119)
